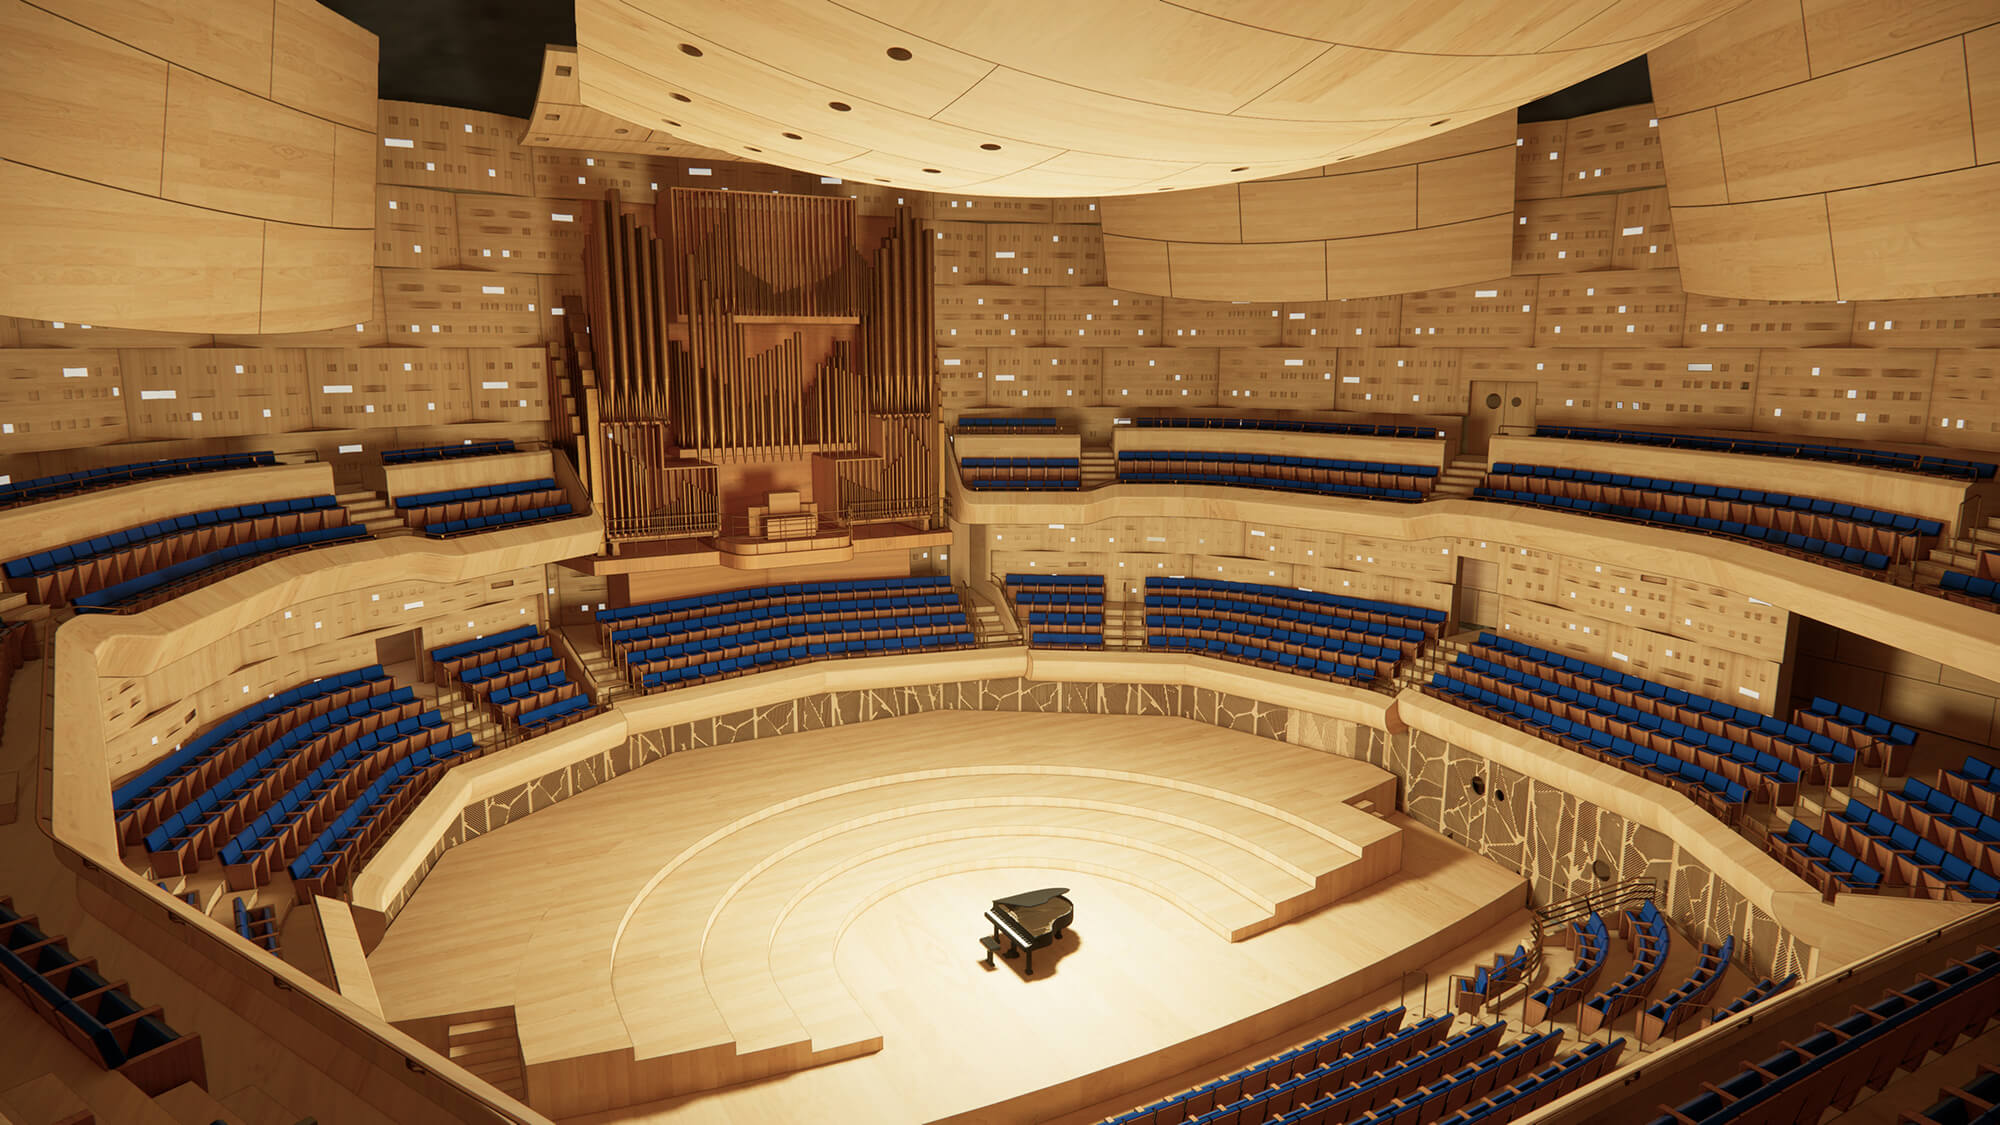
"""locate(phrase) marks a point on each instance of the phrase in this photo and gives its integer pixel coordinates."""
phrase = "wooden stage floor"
(742, 915)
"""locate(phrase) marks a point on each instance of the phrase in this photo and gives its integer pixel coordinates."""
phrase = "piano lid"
(1037, 912)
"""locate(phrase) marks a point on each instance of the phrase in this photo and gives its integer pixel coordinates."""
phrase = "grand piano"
(1027, 922)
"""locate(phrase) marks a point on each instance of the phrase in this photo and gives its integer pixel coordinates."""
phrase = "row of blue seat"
(1665, 766)
(1065, 638)
(1652, 941)
(403, 772)
(1255, 589)
(1257, 654)
(1808, 844)
(1958, 581)
(1756, 994)
(868, 586)
(1586, 1064)
(1967, 819)
(144, 584)
(1593, 943)
(1290, 425)
(795, 629)
(1064, 620)
(542, 716)
(836, 607)
(473, 677)
(43, 562)
(977, 420)
(1856, 513)
(467, 448)
(1208, 606)
(153, 778)
(1729, 713)
(1828, 1067)
(1507, 969)
(1854, 556)
(1310, 1055)
(1322, 487)
(1056, 597)
(257, 927)
(1019, 462)
(193, 818)
(496, 520)
(1268, 634)
(37, 488)
(1275, 460)
(1974, 1102)
(477, 492)
(1856, 717)
(1769, 447)
(1025, 484)
(34, 963)
(1918, 853)
(1089, 580)
(1762, 760)
(871, 646)
(1473, 1080)
(445, 653)
(530, 687)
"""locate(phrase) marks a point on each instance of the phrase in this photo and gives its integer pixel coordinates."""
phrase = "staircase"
(1124, 624)
(1097, 467)
(488, 1044)
(463, 714)
(990, 626)
(1459, 478)
(1960, 554)
(605, 673)
(368, 507)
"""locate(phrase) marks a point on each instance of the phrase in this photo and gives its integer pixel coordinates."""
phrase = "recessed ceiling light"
(682, 98)
(621, 132)
(670, 124)
(841, 107)
(932, 171)
(990, 147)
(793, 137)
(900, 54)
(1244, 168)
(752, 148)
(690, 50)
(1439, 122)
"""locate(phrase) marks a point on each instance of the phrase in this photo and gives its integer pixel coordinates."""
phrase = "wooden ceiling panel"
(1759, 46)
(1775, 250)
(1465, 187)
(1027, 94)
(1844, 33)
(1485, 132)
(1329, 206)
(1982, 64)
(228, 40)
(1904, 116)
(231, 151)
(1267, 271)
(1691, 149)
(1425, 258)
(315, 275)
(1928, 237)
(79, 101)
(323, 63)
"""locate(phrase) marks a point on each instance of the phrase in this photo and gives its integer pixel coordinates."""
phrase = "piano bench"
(992, 945)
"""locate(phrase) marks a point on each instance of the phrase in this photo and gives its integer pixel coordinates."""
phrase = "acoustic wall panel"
(59, 398)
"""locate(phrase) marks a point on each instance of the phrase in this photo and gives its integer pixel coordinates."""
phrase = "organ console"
(1028, 922)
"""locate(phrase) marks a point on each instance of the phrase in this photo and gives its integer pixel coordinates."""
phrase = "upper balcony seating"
(1649, 940)
(1819, 861)
(1479, 989)
(459, 511)
(1289, 425)
(1330, 1048)
(1823, 530)
(1971, 1104)
(1591, 940)
(143, 801)
(1280, 627)
(327, 864)
(1435, 1094)
(64, 573)
(1059, 610)
(1406, 1081)
(110, 476)
(735, 632)
(194, 830)
(256, 925)
(1372, 480)
(467, 448)
(1687, 1001)
(1756, 994)
(170, 581)
(1832, 1065)
(97, 1015)
(1822, 757)
(1768, 447)
(1018, 473)
(336, 787)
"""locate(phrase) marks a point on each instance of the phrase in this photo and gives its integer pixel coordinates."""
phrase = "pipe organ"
(741, 346)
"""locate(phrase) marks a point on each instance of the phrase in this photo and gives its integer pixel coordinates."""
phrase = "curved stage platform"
(750, 911)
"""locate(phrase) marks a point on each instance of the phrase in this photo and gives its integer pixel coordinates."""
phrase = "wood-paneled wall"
(1834, 150)
(184, 168)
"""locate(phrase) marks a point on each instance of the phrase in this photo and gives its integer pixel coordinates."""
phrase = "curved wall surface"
(1836, 150)
(188, 167)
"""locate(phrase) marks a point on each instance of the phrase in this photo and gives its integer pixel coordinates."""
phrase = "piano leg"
(1029, 965)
